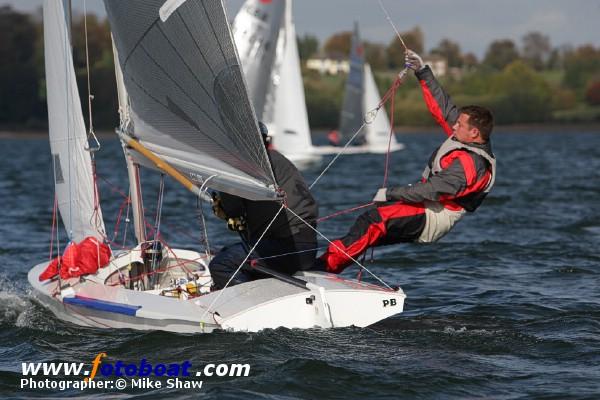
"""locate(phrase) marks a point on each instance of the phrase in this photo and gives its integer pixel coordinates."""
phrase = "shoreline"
(517, 128)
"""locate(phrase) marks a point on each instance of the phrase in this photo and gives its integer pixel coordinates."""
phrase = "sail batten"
(188, 96)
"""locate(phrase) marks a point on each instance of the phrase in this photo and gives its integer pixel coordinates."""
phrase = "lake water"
(506, 306)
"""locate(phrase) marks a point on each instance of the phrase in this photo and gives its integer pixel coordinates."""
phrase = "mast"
(133, 169)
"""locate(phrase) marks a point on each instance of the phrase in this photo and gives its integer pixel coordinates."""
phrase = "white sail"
(290, 118)
(189, 101)
(378, 131)
(73, 176)
(256, 29)
(284, 110)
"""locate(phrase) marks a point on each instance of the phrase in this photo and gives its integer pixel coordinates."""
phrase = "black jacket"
(258, 214)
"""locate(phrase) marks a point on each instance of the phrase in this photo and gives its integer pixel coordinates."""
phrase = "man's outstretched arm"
(438, 102)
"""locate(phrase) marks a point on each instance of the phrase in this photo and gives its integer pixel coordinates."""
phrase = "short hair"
(481, 118)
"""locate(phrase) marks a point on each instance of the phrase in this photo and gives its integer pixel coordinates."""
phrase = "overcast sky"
(471, 23)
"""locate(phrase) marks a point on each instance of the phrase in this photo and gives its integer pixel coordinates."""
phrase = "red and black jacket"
(464, 176)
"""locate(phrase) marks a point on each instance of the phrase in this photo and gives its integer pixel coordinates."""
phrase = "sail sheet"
(352, 109)
(73, 175)
(188, 98)
(256, 30)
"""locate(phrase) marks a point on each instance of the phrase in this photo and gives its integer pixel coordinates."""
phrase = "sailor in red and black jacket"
(457, 178)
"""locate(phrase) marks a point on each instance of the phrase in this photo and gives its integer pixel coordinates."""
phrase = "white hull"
(267, 303)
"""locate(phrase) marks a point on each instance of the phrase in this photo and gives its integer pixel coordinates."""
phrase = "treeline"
(533, 82)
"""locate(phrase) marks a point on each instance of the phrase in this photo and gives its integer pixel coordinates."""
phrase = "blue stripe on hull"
(102, 305)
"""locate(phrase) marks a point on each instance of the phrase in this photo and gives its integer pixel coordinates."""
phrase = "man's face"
(463, 131)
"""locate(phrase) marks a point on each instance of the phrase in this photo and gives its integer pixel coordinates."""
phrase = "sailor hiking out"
(458, 176)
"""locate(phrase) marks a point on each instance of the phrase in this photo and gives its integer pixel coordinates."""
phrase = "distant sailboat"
(185, 110)
(265, 36)
(360, 97)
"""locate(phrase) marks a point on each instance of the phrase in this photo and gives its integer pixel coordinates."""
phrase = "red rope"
(53, 229)
(387, 155)
(335, 214)
(390, 94)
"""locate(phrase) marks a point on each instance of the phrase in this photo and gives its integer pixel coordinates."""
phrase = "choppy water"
(507, 306)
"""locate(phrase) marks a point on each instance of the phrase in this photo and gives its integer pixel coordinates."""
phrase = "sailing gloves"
(217, 206)
(380, 196)
(413, 61)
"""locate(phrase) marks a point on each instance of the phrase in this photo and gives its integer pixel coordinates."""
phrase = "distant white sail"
(283, 103)
(256, 29)
(188, 97)
(378, 131)
(73, 177)
(289, 116)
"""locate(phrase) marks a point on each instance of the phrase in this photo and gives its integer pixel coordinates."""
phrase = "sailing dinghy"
(184, 106)
(360, 97)
(265, 37)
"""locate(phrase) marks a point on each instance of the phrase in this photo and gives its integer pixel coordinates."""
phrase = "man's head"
(474, 125)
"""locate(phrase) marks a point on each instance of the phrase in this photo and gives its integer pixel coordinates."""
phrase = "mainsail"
(73, 174)
(188, 98)
(352, 109)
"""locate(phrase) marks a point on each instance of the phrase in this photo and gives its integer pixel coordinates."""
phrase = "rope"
(91, 132)
(54, 212)
(387, 16)
(346, 211)
(337, 155)
(387, 155)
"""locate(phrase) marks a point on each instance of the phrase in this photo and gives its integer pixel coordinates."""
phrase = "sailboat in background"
(265, 37)
(360, 97)
(185, 110)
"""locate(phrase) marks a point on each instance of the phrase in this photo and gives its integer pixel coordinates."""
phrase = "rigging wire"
(387, 16)
(91, 133)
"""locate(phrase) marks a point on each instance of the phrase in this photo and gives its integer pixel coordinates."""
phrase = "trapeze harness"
(439, 219)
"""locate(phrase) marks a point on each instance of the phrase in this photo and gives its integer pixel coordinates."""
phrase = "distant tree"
(414, 40)
(339, 43)
(501, 53)
(592, 94)
(375, 55)
(581, 65)
(18, 73)
(522, 95)
(102, 75)
(450, 51)
(469, 60)
(307, 46)
(536, 49)
(555, 59)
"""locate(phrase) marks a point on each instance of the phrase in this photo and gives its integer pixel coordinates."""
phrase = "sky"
(473, 24)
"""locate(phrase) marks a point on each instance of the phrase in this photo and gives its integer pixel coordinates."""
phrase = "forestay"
(73, 174)
(188, 98)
